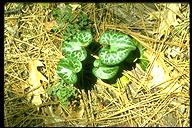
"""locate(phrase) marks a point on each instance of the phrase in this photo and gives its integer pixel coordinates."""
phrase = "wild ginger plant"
(117, 48)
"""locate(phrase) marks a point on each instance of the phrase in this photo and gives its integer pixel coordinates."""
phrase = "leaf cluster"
(74, 52)
(74, 22)
(116, 48)
(63, 92)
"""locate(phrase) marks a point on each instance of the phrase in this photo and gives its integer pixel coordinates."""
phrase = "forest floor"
(157, 97)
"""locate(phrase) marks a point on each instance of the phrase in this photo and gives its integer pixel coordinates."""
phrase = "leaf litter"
(35, 78)
(138, 98)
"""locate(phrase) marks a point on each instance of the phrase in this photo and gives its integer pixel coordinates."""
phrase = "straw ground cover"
(156, 97)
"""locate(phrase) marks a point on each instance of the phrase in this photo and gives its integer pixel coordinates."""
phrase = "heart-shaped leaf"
(83, 38)
(71, 63)
(105, 72)
(74, 51)
(117, 39)
(67, 75)
(110, 57)
(67, 69)
(116, 48)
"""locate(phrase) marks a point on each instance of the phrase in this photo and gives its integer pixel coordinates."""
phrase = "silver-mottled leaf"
(111, 58)
(74, 51)
(67, 75)
(67, 69)
(117, 39)
(105, 72)
(116, 48)
(72, 64)
(83, 38)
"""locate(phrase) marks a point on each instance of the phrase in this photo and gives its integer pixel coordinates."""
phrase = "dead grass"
(135, 102)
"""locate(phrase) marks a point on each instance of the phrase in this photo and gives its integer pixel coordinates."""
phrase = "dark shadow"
(86, 79)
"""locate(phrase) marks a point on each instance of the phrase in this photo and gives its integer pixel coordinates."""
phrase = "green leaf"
(67, 69)
(55, 29)
(144, 63)
(139, 46)
(71, 63)
(110, 57)
(67, 75)
(105, 72)
(117, 47)
(116, 39)
(73, 50)
(64, 92)
(84, 38)
(98, 63)
(56, 12)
